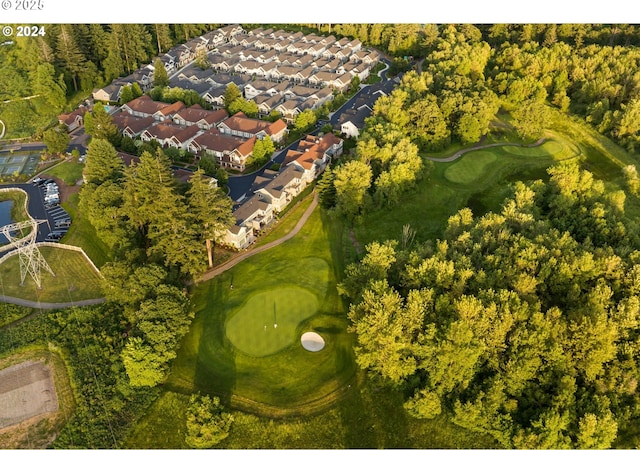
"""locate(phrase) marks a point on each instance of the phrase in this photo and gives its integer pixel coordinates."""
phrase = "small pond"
(5, 217)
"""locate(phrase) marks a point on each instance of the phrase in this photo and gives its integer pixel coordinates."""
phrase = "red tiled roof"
(214, 140)
(240, 122)
(246, 148)
(146, 105)
(172, 109)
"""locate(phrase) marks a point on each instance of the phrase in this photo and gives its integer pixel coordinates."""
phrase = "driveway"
(240, 185)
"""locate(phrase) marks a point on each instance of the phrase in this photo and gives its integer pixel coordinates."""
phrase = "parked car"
(62, 223)
(55, 235)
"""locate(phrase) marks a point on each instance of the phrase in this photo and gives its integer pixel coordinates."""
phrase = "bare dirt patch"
(40, 430)
(26, 390)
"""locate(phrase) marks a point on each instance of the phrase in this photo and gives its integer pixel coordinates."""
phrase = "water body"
(5, 218)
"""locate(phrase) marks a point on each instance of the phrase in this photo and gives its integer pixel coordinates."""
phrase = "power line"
(31, 260)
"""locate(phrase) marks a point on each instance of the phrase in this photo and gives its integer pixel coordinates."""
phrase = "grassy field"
(83, 234)
(364, 417)
(69, 171)
(269, 320)
(74, 278)
(470, 167)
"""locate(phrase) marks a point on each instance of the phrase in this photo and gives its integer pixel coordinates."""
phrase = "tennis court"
(22, 163)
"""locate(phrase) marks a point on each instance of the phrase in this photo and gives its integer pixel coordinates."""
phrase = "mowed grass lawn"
(69, 171)
(82, 234)
(269, 320)
(366, 416)
(480, 180)
(74, 278)
(234, 350)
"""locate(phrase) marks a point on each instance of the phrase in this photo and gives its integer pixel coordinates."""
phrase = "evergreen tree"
(57, 140)
(160, 77)
(211, 209)
(69, 55)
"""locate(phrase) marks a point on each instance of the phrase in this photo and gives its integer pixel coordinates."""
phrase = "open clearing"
(470, 167)
(26, 390)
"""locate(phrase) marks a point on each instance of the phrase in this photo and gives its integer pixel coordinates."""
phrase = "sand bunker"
(312, 341)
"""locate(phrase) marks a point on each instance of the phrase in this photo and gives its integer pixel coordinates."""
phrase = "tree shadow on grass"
(372, 417)
(329, 330)
(215, 371)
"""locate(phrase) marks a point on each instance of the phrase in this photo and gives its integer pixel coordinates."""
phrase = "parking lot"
(58, 219)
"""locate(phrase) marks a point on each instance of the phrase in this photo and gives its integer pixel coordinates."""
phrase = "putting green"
(469, 167)
(268, 321)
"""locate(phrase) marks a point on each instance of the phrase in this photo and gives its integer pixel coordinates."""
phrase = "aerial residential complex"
(281, 72)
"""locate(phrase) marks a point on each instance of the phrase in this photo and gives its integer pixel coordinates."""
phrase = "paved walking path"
(242, 256)
(459, 153)
(45, 305)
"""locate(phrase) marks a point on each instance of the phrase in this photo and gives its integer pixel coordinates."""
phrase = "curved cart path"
(241, 257)
(207, 276)
(459, 153)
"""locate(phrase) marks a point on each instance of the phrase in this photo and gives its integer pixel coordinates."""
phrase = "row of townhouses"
(273, 191)
(229, 140)
(280, 71)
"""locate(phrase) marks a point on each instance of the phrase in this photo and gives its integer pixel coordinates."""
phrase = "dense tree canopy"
(207, 422)
(522, 324)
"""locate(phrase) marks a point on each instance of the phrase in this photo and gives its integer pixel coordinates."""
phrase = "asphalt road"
(240, 185)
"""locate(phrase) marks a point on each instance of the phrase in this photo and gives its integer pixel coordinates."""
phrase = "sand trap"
(312, 341)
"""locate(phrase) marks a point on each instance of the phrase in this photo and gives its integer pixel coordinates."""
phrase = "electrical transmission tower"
(31, 260)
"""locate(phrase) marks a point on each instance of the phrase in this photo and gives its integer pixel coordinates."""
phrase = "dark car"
(57, 235)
